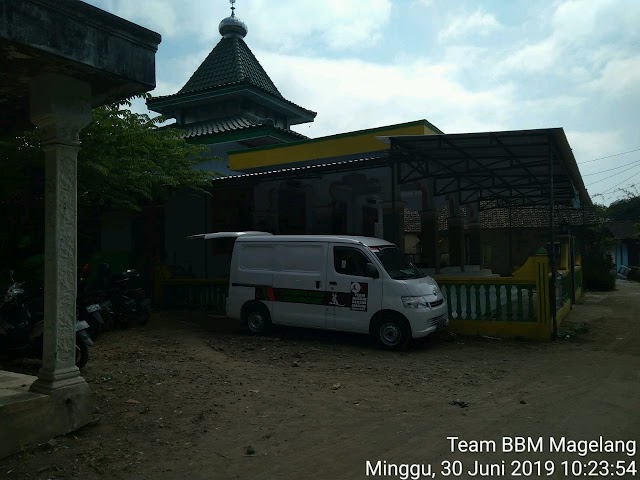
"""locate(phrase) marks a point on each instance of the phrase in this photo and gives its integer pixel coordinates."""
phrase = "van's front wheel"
(258, 320)
(392, 333)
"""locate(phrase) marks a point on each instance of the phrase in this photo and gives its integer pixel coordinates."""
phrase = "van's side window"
(349, 261)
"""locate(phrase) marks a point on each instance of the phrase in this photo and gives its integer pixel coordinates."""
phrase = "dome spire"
(232, 26)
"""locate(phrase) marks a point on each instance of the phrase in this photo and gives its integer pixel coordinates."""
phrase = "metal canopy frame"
(496, 169)
(501, 169)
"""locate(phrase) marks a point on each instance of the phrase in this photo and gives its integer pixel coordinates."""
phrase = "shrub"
(599, 272)
(634, 274)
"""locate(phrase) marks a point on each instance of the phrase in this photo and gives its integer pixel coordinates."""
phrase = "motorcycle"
(125, 301)
(20, 335)
(94, 304)
(22, 327)
(89, 310)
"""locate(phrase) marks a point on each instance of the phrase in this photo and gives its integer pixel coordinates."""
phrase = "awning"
(494, 169)
(306, 171)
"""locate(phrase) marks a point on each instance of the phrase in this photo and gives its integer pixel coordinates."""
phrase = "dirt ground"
(192, 396)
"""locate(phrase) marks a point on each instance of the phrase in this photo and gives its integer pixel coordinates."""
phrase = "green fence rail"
(489, 299)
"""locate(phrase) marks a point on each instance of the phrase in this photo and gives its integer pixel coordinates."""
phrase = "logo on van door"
(359, 296)
(334, 301)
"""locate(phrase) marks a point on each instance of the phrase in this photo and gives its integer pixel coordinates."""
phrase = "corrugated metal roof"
(358, 163)
(513, 167)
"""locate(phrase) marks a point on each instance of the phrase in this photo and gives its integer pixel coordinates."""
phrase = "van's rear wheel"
(392, 333)
(258, 320)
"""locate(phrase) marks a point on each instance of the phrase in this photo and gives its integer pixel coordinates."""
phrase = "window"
(349, 261)
(395, 263)
(302, 258)
(256, 257)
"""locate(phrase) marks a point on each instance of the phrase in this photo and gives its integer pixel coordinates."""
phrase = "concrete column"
(475, 243)
(429, 254)
(393, 223)
(456, 241)
(60, 107)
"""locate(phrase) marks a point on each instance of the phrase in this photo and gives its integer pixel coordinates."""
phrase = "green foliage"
(126, 162)
(634, 274)
(599, 272)
(625, 209)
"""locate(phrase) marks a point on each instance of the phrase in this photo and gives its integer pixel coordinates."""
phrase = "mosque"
(478, 200)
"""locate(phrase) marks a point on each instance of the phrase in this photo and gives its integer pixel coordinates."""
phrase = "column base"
(49, 381)
(29, 418)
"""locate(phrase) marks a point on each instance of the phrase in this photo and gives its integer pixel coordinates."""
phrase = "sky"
(464, 65)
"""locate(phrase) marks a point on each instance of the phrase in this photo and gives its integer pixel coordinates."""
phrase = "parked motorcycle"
(89, 310)
(127, 302)
(92, 296)
(20, 334)
(22, 327)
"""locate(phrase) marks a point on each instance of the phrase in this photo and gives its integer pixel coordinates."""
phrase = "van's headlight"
(415, 302)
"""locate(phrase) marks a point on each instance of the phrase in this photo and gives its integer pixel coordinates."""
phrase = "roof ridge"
(241, 73)
(243, 45)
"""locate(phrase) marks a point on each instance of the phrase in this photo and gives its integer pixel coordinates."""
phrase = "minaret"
(231, 95)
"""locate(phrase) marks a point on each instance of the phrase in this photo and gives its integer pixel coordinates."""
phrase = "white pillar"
(60, 107)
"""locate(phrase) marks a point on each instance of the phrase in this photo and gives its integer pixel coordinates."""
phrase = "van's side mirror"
(372, 271)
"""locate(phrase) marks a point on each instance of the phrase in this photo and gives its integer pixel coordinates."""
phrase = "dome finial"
(232, 26)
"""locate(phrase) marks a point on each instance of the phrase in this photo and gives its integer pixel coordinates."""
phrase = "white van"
(336, 282)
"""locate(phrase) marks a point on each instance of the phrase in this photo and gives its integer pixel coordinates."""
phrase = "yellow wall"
(363, 141)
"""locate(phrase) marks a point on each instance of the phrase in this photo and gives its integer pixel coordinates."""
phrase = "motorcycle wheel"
(123, 320)
(82, 354)
(144, 316)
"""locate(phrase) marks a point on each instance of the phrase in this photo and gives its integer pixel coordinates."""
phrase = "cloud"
(539, 57)
(568, 63)
(354, 94)
(335, 24)
(591, 144)
(478, 23)
(422, 3)
(619, 78)
(283, 25)
(581, 36)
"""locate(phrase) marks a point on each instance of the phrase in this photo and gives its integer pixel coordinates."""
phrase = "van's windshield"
(395, 263)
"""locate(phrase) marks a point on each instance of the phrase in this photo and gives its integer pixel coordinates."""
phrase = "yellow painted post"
(541, 260)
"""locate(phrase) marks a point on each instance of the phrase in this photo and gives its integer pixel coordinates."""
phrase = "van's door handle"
(317, 283)
(333, 283)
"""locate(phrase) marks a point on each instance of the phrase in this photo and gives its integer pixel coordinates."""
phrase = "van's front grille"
(438, 321)
(437, 303)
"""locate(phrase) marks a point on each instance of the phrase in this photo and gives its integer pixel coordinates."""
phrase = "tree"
(626, 208)
(127, 160)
